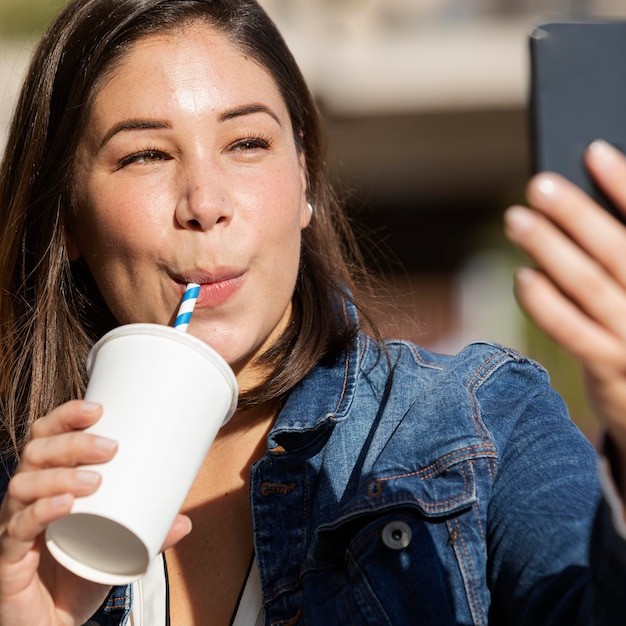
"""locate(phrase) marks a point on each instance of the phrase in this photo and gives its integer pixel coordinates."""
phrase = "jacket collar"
(325, 395)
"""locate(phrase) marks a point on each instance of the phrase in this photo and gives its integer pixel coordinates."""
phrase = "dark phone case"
(578, 94)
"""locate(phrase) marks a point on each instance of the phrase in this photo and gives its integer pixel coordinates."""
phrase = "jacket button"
(397, 535)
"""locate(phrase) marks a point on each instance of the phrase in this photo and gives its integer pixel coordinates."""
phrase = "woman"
(162, 141)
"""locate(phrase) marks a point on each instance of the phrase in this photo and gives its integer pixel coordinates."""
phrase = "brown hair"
(50, 310)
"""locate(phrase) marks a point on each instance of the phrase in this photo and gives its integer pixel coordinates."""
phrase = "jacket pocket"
(392, 555)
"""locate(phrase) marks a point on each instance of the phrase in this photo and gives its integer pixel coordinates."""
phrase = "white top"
(150, 598)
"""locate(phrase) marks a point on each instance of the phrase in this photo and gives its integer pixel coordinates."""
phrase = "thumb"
(180, 529)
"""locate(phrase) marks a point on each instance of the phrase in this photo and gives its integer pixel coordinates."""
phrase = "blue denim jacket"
(438, 491)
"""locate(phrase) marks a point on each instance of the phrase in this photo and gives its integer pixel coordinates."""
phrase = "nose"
(202, 203)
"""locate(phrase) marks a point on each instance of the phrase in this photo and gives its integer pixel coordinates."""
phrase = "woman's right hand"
(34, 589)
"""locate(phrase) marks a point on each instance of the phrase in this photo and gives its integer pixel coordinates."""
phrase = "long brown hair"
(50, 309)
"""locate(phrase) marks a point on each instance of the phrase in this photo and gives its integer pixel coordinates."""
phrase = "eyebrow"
(130, 125)
(248, 109)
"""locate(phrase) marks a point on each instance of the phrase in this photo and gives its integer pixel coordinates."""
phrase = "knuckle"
(37, 428)
(30, 452)
(15, 487)
(15, 526)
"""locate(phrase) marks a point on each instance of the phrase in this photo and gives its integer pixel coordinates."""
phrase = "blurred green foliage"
(566, 377)
(24, 18)
(565, 372)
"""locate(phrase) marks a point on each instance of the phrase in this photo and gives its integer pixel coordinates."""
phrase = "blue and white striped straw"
(186, 307)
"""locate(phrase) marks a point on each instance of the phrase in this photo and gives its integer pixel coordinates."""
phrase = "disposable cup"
(164, 394)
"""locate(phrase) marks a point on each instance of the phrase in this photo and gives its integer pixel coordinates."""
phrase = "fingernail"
(88, 478)
(603, 149)
(90, 407)
(105, 444)
(523, 274)
(545, 185)
(518, 219)
(61, 501)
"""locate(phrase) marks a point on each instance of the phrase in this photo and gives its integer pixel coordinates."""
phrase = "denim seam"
(372, 595)
(119, 602)
(473, 386)
(345, 382)
(469, 577)
(418, 358)
(432, 470)
(480, 523)
(474, 383)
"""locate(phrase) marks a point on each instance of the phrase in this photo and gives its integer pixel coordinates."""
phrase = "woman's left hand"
(577, 293)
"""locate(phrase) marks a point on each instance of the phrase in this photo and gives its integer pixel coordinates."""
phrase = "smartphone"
(577, 94)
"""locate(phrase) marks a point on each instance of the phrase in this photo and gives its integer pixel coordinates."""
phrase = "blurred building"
(426, 105)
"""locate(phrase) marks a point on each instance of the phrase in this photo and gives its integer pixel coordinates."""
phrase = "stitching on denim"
(481, 431)
(427, 505)
(476, 418)
(477, 609)
(366, 538)
(269, 488)
(364, 344)
(417, 356)
(118, 601)
(460, 560)
(345, 382)
(473, 385)
(290, 583)
(434, 468)
(480, 375)
(480, 523)
(286, 585)
(365, 581)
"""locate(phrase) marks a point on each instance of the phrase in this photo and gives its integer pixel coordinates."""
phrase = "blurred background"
(425, 102)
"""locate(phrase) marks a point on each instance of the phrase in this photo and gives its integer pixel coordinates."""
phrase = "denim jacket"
(408, 487)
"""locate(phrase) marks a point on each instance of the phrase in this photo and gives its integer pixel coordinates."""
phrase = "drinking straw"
(186, 307)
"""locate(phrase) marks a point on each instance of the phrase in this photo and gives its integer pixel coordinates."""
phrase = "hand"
(34, 588)
(577, 294)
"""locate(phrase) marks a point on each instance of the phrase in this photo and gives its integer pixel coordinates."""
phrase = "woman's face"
(189, 172)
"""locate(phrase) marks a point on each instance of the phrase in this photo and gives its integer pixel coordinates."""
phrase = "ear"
(305, 210)
(71, 245)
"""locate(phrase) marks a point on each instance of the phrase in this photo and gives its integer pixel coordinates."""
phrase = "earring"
(310, 207)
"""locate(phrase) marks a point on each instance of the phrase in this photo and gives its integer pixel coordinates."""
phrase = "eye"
(250, 144)
(144, 156)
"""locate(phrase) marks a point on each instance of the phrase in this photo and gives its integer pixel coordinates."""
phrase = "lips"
(215, 288)
(212, 294)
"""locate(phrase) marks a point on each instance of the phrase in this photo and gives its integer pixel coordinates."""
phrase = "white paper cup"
(165, 395)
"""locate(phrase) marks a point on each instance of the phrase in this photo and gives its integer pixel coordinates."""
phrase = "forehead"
(194, 66)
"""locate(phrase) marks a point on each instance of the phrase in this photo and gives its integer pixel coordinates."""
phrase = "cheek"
(283, 233)
(117, 225)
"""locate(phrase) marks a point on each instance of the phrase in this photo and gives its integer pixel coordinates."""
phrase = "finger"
(27, 487)
(66, 450)
(180, 529)
(608, 167)
(591, 227)
(565, 323)
(23, 529)
(73, 415)
(570, 268)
